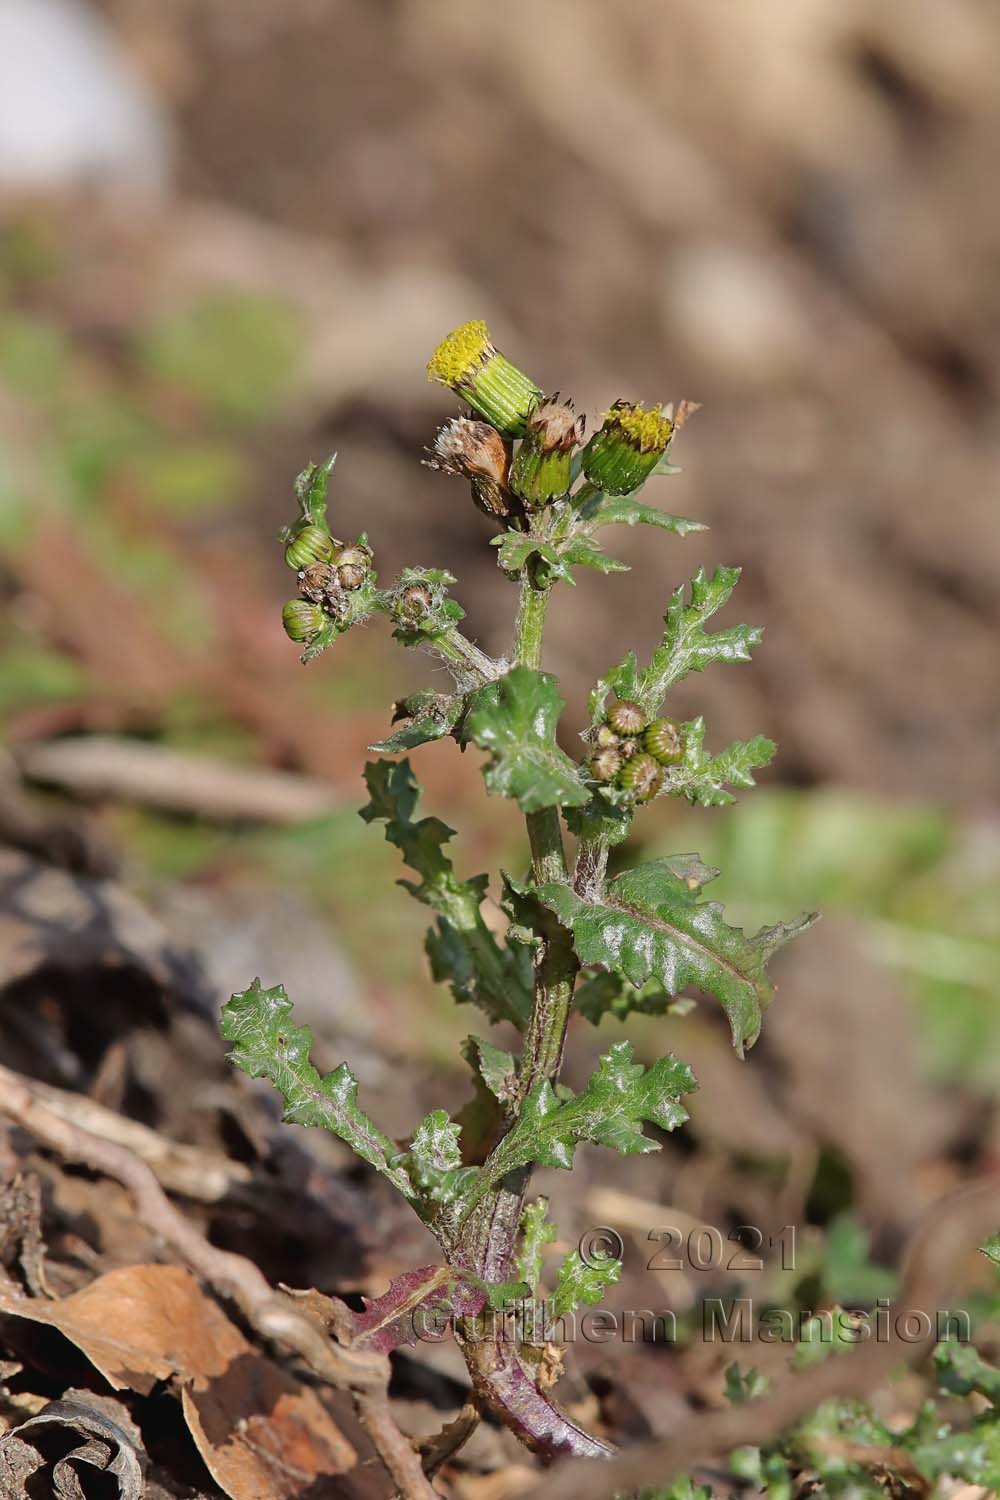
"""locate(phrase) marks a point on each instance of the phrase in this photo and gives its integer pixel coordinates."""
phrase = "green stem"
(591, 865)
(494, 1223)
(458, 651)
(529, 628)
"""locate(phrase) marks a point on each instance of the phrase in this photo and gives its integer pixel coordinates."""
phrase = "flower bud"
(627, 717)
(605, 764)
(317, 582)
(413, 604)
(477, 452)
(629, 747)
(309, 544)
(353, 565)
(540, 471)
(642, 777)
(467, 362)
(627, 447)
(605, 738)
(663, 741)
(302, 620)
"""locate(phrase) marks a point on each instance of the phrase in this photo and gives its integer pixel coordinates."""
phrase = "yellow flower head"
(468, 364)
(460, 354)
(646, 428)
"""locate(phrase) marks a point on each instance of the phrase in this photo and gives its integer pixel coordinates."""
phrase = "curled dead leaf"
(262, 1435)
(80, 1446)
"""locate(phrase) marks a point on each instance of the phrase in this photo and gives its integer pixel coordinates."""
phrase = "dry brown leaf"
(262, 1435)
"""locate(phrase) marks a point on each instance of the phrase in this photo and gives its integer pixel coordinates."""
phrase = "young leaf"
(745, 1386)
(310, 489)
(991, 1248)
(559, 557)
(497, 1069)
(434, 1160)
(321, 641)
(515, 547)
(686, 646)
(650, 924)
(462, 949)
(581, 551)
(612, 510)
(268, 1045)
(961, 1369)
(429, 716)
(610, 1111)
(605, 994)
(701, 777)
(537, 1231)
(581, 1285)
(515, 720)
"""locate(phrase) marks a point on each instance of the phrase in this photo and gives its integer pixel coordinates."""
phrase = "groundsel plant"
(575, 940)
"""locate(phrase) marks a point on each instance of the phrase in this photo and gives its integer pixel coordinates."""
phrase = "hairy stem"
(493, 1230)
(556, 970)
(458, 651)
(591, 865)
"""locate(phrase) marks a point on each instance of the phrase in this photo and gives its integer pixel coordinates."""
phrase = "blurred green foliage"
(922, 885)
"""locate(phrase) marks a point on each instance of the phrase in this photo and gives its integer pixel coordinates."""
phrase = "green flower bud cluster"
(632, 752)
(511, 405)
(329, 573)
(619, 457)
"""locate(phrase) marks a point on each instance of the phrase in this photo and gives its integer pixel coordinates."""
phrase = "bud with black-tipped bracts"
(317, 581)
(642, 776)
(468, 364)
(477, 452)
(419, 605)
(308, 544)
(605, 764)
(302, 620)
(541, 470)
(353, 565)
(627, 447)
(662, 740)
(627, 717)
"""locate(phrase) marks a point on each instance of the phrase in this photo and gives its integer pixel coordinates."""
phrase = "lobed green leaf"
(686, 645)
(610, 1111)
(267, 1045)
(537, 1231)
(702, 778)
(581, 1285)
(434, 1160)
(462, 950)
(649, 923)
(514, 719)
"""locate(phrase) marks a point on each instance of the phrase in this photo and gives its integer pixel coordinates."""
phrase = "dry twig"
(178, 780)
(436, 1450)
(206, 1176)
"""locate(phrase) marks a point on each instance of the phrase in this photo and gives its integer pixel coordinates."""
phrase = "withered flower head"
(475, 451)
(555, 427)
(541, 469)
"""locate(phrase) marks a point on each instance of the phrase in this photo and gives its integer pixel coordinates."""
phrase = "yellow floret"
(648, 430)
(461, 353)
